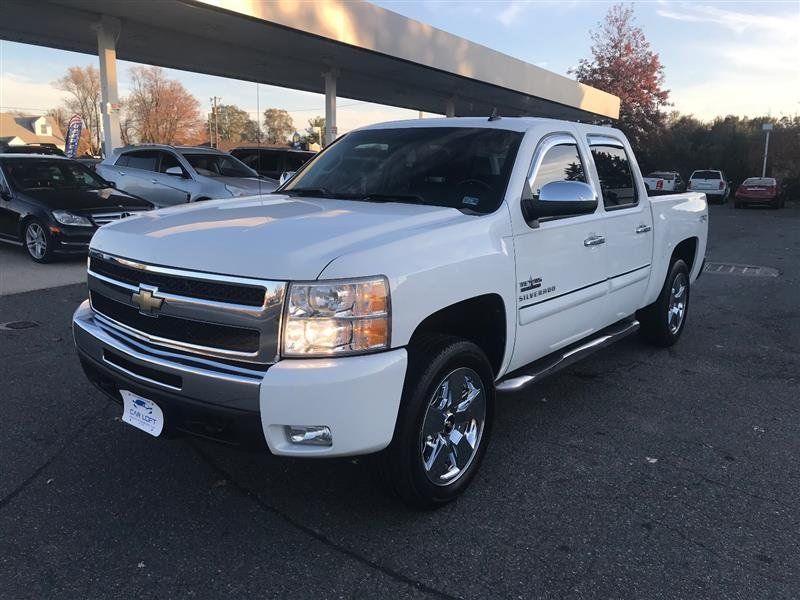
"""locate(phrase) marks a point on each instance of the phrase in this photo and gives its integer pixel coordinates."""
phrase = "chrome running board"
(539, 369)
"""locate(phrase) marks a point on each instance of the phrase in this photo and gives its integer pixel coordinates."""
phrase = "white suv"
(713, 183)
(169, 175)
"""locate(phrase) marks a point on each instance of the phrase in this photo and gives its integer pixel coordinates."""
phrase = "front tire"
(37, 241)
(444, 422)
(662, 323)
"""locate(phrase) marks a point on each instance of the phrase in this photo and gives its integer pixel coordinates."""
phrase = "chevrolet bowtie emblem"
(146, 301)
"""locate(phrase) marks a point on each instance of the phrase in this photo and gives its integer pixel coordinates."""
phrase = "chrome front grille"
(221, 317)
(101, 219)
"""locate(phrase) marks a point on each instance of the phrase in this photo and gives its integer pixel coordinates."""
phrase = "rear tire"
(662, 323)
(444, 422)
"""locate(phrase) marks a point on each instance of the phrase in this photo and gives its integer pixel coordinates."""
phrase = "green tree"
(233, 124)
(278, 126)
(315, 130)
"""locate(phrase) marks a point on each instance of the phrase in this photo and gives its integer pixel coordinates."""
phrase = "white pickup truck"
(380, 300)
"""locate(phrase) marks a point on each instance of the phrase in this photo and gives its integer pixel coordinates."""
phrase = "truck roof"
(520, 124)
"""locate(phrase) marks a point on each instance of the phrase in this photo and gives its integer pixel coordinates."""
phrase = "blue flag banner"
(73, 136)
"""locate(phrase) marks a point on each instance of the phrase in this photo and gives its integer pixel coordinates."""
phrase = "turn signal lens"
(337, 318)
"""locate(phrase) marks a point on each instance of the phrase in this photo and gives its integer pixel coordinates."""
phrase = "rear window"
(662, 175)
(706, 175)
(765, 181)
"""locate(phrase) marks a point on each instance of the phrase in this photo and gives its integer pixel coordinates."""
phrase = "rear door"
(628, 223)
(561, 263)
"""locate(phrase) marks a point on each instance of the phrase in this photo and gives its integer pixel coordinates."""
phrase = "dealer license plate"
(142, 413)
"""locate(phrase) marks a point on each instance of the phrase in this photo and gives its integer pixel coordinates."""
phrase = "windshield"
(706, 175)
(219, 165)
(459, 167)
(31, 173)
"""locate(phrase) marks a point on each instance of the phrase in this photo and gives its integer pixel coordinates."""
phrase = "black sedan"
(52, 205)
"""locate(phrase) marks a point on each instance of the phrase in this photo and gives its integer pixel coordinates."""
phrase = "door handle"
(594, 240)
(643, 228)
(154, 181)
(121, 172)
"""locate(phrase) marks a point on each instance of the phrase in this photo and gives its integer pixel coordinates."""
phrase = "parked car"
(273, 162)
(169, 175)
(45, 149)
(406, 275)
(664, 182)
(53, 205)
(759, 190)
(712, 183)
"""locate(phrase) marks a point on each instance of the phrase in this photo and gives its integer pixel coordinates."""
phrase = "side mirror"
(286, 176)
(111, 184)
(5, 193)
(560, 199)
(175, 172)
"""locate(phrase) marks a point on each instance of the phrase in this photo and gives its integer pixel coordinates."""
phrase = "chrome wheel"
(677, 302)
(35, 240)
(453, 426)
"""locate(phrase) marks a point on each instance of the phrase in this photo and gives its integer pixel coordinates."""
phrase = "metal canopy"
(377, 55)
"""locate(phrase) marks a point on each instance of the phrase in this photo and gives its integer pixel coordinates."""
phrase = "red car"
(759, 190)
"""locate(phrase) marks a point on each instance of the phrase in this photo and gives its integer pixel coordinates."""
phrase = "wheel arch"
(686, 251)
(480, 319)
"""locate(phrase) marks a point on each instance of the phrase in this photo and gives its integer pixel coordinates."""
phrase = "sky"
(719, 58)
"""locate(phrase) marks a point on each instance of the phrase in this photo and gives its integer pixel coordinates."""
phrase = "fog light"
(309, 435)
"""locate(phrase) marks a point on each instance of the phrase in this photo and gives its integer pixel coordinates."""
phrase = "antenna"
(494, 116)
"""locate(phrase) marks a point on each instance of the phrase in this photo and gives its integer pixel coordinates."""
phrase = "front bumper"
(71, 239)
(357, 398)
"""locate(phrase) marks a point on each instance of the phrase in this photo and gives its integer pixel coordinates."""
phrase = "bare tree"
(161, 110)
(83, 86)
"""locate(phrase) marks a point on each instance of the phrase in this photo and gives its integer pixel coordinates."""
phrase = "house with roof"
(18, 130)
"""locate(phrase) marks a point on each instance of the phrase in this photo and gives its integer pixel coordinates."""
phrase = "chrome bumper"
(197, 380)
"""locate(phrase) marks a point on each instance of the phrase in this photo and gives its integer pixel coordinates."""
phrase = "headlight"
(337, 317)
(234, 191)
(67, 218)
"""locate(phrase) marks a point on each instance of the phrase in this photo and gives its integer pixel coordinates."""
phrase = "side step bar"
(539, 369)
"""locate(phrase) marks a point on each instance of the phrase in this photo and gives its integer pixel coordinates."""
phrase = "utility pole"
(766, 127)
(215, 117)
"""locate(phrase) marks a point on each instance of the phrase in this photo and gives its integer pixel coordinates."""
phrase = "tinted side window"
(146, 160)
(295, 161)
(270, 161)
(248, 157)
(616, 178)
(122, 161)
(168, 160)
(560, 163)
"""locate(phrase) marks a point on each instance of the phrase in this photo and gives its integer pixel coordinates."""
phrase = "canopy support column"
(108, 30)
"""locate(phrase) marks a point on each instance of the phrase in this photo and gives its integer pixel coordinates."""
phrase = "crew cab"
(379, 301)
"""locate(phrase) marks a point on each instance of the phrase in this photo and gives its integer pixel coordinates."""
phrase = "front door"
(561, 263)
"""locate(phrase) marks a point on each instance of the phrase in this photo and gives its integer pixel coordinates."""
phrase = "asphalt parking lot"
(18, 273)
(638, 473)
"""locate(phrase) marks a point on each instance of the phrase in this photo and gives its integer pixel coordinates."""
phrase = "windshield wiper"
(409, 198)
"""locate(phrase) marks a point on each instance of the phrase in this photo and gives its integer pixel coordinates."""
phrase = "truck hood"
(250, 185)
(269, 237)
